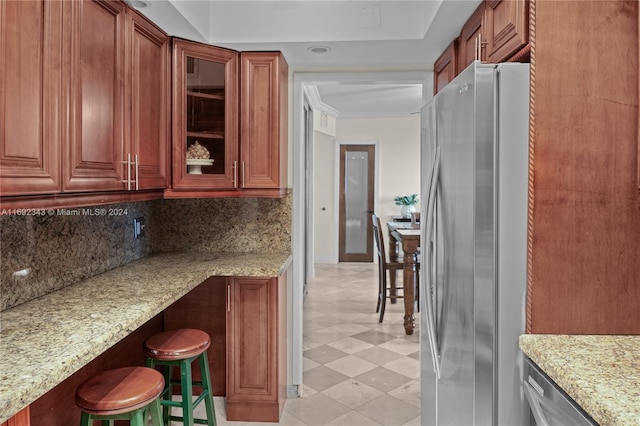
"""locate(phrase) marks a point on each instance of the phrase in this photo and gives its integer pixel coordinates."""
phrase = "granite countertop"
(601, 373)
(46, 340)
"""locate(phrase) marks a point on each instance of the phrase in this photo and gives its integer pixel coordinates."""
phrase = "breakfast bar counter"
(46, 340)
(601, 373)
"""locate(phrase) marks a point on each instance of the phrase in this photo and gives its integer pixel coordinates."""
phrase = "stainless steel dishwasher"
(549, 404)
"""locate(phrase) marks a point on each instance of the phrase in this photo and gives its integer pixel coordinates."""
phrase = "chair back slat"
(377, 233)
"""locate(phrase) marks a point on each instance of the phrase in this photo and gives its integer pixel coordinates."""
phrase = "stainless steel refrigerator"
(473, 252)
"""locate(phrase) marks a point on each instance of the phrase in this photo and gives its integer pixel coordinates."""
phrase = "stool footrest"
(180, 419)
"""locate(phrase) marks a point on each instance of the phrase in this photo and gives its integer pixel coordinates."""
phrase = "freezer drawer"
(549, 404)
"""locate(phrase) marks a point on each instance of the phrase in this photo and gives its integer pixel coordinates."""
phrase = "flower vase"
(406, 210)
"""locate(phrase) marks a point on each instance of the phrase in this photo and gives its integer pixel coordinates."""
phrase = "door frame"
(298, 151)
(337, 183)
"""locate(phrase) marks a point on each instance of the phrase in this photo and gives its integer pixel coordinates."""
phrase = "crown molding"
(313, 97)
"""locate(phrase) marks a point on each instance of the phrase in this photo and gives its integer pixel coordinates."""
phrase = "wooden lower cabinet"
(248, 354)
(256, 348)
(20, 419)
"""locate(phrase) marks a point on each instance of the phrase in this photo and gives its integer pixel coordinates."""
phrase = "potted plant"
(408, 204)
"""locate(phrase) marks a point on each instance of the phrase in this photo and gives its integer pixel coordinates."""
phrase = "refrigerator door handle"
(429, 264)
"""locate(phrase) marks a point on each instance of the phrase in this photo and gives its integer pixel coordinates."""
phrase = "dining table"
(407, 236)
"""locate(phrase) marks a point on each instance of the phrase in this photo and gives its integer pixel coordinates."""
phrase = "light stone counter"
(46, 340)
(600, 373)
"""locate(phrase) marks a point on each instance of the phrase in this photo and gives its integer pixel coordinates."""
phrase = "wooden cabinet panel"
(205, 308)
(584, 225)
(506, 28)
(263, 120)
(94, 148)
(205, 110)
(147, 94)
(471, 40)
(256, 345)
(20, 419)
(31, 95)
(445, 68)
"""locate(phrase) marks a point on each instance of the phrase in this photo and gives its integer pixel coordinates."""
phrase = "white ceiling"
(363, 37)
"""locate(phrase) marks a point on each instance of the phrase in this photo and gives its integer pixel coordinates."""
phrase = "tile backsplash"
(222, 224)
(42, 254)
(60, 249)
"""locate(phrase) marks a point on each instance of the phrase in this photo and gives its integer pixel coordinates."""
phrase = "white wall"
(398, 163)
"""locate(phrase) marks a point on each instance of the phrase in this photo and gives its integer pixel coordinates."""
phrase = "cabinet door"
(205, 117)
(94, 147)
(256, 349)
(263, 122)
(506, 28)
(471, 40)
(30, 97)
(444, 69)
(147, 95)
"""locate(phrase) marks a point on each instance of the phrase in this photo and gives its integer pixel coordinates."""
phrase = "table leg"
(409, 282)
(393, 257)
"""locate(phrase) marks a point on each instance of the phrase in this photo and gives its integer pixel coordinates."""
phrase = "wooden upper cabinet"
(263, 120)
(94, 149)
(506, 28)
(229, 122)
(147, 92)
(31, 90)
(205, 118)
(471, 42)
(445, 67)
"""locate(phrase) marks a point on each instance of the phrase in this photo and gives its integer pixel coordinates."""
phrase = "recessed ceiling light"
(138, 4)
(318, 49)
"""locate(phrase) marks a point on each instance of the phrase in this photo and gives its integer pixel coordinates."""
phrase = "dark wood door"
(31, 97)
(263, 120)
(94, 149)
(357, 182)
(147, 95)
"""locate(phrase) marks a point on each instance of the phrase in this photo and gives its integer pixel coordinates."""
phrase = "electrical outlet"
(138, 227)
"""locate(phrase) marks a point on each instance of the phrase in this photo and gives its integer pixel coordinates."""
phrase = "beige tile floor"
(356, 370)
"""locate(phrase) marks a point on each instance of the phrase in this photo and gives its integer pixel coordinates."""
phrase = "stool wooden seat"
(127, 393)
(179, 349)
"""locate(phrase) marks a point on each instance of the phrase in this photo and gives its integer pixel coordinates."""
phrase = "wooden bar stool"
(180, 348)
(128, 393)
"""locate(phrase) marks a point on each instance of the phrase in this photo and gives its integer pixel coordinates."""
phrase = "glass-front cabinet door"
(205, 117)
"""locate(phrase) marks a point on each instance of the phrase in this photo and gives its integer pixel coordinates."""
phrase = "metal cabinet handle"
(235, 174)
(128, 179)
(242, 186)
(228, 298)
(137, 175)
(536, 409)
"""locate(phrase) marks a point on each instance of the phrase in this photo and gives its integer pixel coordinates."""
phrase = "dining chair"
(384, 267)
